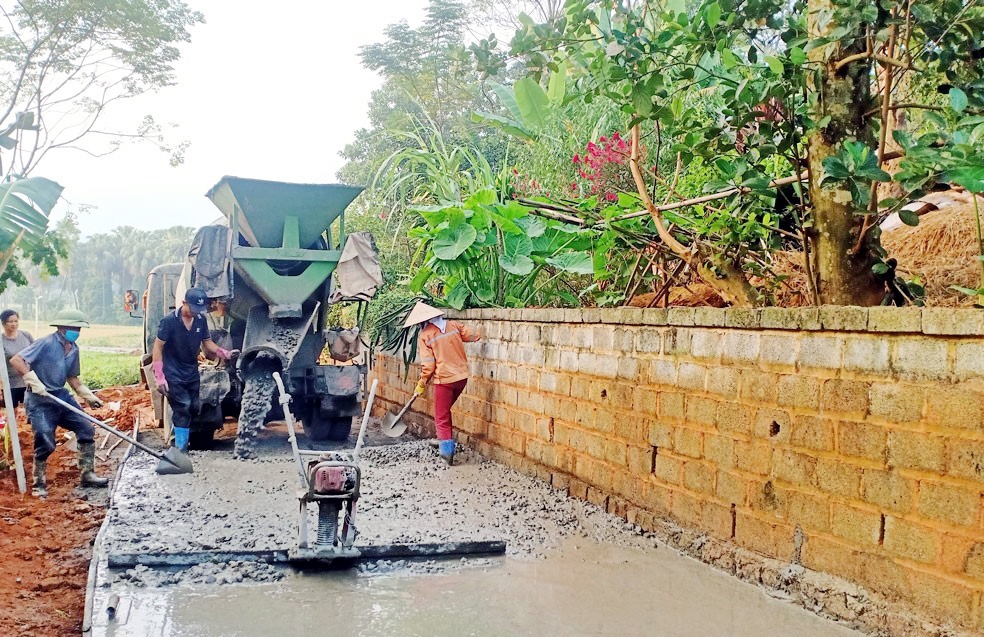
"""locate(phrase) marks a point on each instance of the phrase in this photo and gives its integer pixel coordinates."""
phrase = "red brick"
(917, 450)
(949, 503)
(719, 450)
(809, 511)
(965, 459)
(859, 526)
(862, 440)
(829, 556)
(640, 459)
(731, 487)
(943, 599)
(716, 519)
(912, 541)
(813, 433)
(754, 458)
(685, 508)
(699, 477)
(688, 442)
(792, 467)
(668, 468)
(888, 490)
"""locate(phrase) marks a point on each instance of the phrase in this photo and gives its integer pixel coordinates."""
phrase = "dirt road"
(45, 545)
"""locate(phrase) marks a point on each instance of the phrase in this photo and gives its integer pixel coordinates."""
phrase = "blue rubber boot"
(446, 449)
(181, 436)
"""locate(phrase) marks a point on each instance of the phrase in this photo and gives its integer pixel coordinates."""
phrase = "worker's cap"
(197, 300)
(421, 312)
(70, 317)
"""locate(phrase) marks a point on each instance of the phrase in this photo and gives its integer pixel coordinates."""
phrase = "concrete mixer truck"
(273, 266)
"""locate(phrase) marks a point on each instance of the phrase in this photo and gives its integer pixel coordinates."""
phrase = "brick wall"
(847, 440)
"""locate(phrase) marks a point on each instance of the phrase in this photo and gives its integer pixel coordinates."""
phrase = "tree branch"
(651, 208)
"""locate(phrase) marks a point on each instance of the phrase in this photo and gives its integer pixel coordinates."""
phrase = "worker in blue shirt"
(46, 366)
(180, 336)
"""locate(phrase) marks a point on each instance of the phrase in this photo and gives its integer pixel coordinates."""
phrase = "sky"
(264, 90)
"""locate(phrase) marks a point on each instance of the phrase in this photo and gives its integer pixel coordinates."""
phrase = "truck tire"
(328, 428)
(340, 428)
(201, 438)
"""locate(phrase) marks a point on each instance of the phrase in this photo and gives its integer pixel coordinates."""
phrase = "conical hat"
(420, 313)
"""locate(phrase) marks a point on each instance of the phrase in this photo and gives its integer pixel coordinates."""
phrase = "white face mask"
(440, 322)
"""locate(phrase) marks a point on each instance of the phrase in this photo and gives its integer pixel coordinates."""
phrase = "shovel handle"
(406, 407)
(112, 430)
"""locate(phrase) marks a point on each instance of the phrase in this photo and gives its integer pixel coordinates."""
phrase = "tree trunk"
(844, 278)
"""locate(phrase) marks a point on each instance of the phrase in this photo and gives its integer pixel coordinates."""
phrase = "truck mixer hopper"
(285, 259)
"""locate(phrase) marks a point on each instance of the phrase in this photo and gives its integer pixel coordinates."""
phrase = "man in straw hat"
(46, 366)
(443, 360)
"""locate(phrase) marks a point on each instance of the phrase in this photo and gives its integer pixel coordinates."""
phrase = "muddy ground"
(45, 545)
(408, 496)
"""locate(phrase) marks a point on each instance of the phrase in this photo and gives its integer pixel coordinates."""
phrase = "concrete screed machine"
(273, 266)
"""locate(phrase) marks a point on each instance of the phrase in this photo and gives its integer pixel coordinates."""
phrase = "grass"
(102, 369)
(122, 336)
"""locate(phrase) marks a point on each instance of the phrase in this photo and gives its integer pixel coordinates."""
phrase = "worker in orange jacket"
(442, 358)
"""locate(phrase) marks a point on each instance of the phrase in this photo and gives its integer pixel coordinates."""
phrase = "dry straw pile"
(941, 251)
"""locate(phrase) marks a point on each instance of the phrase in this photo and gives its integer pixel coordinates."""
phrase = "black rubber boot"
(87, 465)
(40, 487)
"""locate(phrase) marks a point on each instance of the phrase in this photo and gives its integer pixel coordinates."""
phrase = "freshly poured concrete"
(570, 568)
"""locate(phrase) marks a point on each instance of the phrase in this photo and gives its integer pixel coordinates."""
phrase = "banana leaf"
(24, 208)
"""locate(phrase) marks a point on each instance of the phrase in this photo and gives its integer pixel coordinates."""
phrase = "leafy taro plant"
(485, 251)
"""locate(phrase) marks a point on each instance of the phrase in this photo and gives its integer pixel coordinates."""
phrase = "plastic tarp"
(343, 345)
(209, 258)
(357, 276)
(215, 385)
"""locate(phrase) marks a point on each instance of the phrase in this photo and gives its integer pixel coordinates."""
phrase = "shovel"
(392, 425)
(171, 462)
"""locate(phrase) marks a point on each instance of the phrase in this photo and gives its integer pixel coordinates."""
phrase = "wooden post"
(12, 425)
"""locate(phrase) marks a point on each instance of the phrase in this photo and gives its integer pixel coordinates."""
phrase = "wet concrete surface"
(570, 568)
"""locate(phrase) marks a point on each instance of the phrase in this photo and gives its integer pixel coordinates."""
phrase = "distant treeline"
(97, 271)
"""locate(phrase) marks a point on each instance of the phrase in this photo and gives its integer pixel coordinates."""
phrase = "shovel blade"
(174, 462)
(393, 426)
